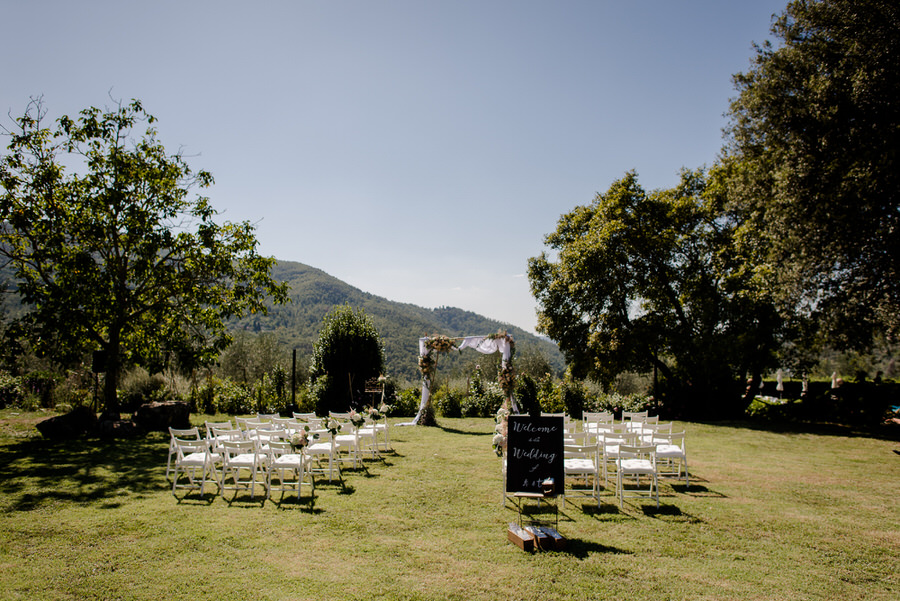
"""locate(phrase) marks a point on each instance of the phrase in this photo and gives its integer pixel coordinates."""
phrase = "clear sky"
(419, 150)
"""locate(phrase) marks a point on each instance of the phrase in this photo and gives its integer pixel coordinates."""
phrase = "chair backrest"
(233, 448)
(221, 425)
(185, 434)
(597, 417)
(580, 451)
(280, 447)
(616, 438)
(672, 438)
(264, 435)
(304, 416)
(221, 435)
(184, 447)
(634, 416)
(267, 417)
(638, 451)
(283, 422)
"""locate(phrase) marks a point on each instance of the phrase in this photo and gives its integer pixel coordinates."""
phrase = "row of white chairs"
(256, 451)
(629, 452)
(233, 462)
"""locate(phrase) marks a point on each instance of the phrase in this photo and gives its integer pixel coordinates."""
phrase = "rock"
(120, 428)
(160, 416)
(77, 422)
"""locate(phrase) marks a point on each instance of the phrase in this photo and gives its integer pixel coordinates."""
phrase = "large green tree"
(112, 253)
(812, 147)
(348, 352)
(640, 281)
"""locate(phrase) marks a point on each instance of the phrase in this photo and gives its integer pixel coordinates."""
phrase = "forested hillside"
(314, 292)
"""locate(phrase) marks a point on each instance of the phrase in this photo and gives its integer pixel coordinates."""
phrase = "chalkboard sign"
(534, 452)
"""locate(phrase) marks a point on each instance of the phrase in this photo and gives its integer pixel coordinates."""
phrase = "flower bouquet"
(299, 440)
(379, 413)
(356, 418)
(332, 425)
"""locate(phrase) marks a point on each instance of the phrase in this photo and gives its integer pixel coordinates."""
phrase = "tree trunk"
(113, 366)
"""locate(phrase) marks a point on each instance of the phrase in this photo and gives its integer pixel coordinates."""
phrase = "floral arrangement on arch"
(498, 443)
(435, 344)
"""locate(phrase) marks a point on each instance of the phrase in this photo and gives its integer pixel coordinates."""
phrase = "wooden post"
(294, 378)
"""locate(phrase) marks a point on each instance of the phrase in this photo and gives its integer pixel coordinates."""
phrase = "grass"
(805, 514)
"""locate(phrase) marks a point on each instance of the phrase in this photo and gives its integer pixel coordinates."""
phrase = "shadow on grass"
(464, 432)
(85, 471)
(303, 504)
(665, 511)
(879, 432)
(581, 549)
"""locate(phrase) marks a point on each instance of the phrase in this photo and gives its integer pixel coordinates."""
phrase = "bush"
(406, 403)
(39, 386)
(527, 395)
(484, 401)
(447, 402)
(11, 392)
(138, 387)
(617, 403)
(235, 399)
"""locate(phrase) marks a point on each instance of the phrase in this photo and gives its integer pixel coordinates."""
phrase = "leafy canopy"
(813, 147)
(649, 280)
(348, 352)
(109, 250)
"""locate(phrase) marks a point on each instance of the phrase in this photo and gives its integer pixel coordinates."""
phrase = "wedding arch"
(431, 347)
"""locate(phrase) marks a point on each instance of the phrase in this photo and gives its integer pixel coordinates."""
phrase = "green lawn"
(769, 515)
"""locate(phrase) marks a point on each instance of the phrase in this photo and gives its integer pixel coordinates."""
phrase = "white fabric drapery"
(483, 344)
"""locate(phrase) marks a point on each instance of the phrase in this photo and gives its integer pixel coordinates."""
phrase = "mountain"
(313, 293)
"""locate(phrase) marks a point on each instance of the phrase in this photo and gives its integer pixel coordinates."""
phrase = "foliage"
(139, 387)
(616, 403)
(651, 280)
(109, 251)
(12, 393)
(406, 403)
(348, 352)
(527, 395)
(249, 357)
(812, 152)
(448, 401)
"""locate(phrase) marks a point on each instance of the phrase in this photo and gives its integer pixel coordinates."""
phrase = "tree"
(109, 251)
(650, 281)
(348, 352)
(813, 145)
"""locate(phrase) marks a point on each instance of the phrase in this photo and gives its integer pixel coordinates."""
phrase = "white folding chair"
(290, 467)
(192, 456)
(591, 421)
(243, 456)
(671, 455)
(609, 442)
(634, 465)
(185, 434)
(323, 452)
(581, 462)
(346, 444)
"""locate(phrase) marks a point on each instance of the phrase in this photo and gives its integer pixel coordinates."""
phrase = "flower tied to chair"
(299, 440)
(356, 418)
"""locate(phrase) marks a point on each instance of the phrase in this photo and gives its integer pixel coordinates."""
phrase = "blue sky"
(418, 150)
